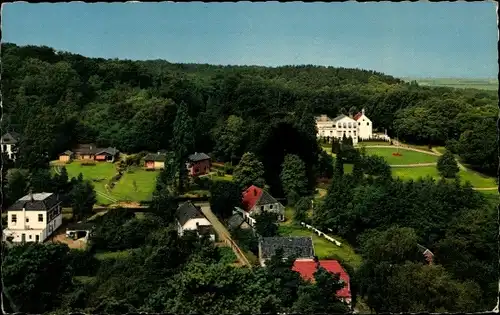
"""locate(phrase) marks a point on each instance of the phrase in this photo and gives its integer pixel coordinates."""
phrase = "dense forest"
(56, 99)
(261, 120)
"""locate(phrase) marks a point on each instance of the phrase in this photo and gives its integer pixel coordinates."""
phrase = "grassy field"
(99, 175)
(324, 249)
(481, 84)
(476, 179)
(124, 190)
(408, 156)
(112, 255)
(145, 182)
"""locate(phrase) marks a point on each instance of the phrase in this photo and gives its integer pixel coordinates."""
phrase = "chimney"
(31, 195)
(255, 192)
(363, 111)
(316, 261)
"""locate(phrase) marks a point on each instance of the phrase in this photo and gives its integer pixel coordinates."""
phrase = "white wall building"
(33, 218)
(8, 144)
(190, 218)
(357, 127)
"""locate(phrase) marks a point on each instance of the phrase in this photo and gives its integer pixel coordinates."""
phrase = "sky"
(408, 39)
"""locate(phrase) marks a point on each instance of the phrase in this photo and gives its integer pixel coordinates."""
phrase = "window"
(4, 147)
(359, 124)
(339, 125)
(349, 125)
(270, 206)
(27, 220)
(368, 124)
(261, 208)
(14, 218)
(40, 218)
(37, 238)
(333, 126)
(31, 236)
(345, 125)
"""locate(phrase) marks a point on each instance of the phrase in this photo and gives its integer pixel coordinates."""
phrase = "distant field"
(477, 180)
(481, 84)
(408, 156)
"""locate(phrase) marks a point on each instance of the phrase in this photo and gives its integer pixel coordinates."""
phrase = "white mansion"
(357, 127)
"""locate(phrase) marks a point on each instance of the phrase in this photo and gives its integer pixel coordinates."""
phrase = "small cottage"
(198, 164)
(191, 218)
(255, 200)
(90, 152)
(8, 144)
(154, 161)
(66, 156)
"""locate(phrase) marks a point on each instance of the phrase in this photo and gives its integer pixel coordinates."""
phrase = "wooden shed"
(66, 156)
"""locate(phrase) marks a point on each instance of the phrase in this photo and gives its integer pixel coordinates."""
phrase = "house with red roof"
(307, 268)
(255, 200)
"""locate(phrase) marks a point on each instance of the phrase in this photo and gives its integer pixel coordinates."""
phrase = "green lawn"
(99, 175)
(113, 255)
(124, 189)
(324, 249)
(476, 179)
(370, 143)
(145, 182)
(408, 156)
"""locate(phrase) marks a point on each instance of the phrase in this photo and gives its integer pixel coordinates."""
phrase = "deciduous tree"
(250, 171)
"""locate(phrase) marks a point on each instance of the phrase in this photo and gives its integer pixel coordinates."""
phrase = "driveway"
(223, 232)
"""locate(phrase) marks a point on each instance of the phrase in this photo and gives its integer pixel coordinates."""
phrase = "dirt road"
(223, 233)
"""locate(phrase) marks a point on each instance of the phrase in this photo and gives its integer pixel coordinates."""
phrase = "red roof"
(358, 115)
(250, 197)
(307, 268)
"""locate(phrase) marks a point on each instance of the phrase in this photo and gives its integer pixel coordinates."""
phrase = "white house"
(8, 144)
(190, 218)
(256, 200)
(33, 218)
(357, 127)
(365, 126)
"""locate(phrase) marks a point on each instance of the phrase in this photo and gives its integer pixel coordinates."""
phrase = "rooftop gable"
(187, 211)
(307, 268)
(250, 197)
(298, 246)
(35, 202)
(157, 157)
(10, 138)
(196, 157)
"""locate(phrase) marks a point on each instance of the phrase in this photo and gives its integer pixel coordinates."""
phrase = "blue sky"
(420, 39)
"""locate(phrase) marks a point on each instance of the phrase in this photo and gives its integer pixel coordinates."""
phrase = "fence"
(328, 237)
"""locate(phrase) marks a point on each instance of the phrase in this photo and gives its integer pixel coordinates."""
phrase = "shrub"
(228, 169)
(83, 262)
